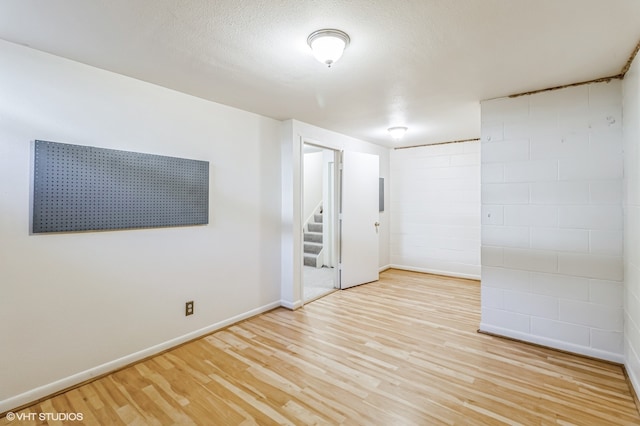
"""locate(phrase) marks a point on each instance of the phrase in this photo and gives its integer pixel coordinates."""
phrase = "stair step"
(312, 248)
(314, 237)
(315, 227)
(311, 260)
(317, 218)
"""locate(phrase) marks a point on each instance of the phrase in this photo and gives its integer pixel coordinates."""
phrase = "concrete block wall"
(552, 220)
(435, 209)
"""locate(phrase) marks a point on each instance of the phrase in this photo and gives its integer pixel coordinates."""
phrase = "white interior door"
(359, 225)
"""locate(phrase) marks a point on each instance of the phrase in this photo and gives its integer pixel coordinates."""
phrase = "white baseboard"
(632, 365)
(553, 344)
(436, 272)
(70, 381)
(384, 268)
(291, 305)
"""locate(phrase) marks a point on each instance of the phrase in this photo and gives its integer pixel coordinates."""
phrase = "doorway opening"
(320, 240)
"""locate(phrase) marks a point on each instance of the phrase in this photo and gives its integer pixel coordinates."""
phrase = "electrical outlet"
(188, 308)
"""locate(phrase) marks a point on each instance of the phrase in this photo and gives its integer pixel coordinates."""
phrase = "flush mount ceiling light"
(397, 132)
(328, 45)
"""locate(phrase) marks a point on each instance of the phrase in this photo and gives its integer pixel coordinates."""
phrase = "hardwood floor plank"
(404, 350)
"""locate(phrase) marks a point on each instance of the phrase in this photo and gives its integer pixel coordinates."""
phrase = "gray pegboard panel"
(83, 188)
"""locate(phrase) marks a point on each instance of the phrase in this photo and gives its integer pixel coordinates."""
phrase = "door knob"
(377, 225)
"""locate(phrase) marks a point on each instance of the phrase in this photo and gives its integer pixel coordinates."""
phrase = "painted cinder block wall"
(435, 209)
(631, 132)
(552, 220)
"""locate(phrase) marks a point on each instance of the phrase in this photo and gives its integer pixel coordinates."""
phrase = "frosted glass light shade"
(328, 45)
(397, 132)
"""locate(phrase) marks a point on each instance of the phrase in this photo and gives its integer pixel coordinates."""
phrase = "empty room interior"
(298, 212)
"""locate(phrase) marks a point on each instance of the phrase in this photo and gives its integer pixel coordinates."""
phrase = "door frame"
(337, 208)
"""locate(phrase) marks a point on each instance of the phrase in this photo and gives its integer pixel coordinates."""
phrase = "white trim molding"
(112, 366)
(553, 344)
(435, 272)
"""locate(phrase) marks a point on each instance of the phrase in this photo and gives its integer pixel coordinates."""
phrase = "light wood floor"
(402, 351)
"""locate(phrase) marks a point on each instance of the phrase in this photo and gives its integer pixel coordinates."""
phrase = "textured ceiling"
(424, 64)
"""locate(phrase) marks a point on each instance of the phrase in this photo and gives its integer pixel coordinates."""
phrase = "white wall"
(294, 134)
(552, 219)
(312, 182)
(631, 131)
(76, 305)
(435, 205)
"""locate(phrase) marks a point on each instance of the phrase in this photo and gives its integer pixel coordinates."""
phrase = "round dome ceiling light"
(328, 45)
(397, 132)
